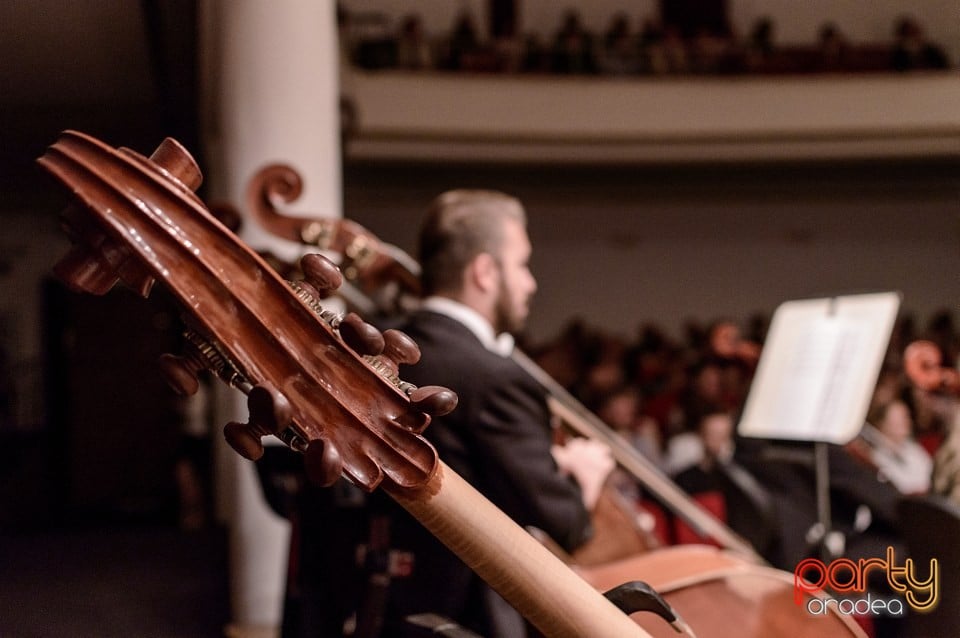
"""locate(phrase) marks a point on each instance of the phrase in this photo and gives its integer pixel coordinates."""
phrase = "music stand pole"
(822, 474)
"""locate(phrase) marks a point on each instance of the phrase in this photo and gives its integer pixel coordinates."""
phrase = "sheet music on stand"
(818, 369)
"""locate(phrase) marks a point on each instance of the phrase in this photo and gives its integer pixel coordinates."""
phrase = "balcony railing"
(544, 118)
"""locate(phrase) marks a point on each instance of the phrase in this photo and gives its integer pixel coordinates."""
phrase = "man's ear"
(484, 273)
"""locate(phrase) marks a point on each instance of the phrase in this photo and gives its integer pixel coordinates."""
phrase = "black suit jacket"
(498, 438)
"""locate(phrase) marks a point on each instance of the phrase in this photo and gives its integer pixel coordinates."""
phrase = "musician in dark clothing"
(474, 252)
(745, 504)
(863, 511)
(786, 470)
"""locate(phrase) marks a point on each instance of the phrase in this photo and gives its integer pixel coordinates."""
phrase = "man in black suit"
(474, 251)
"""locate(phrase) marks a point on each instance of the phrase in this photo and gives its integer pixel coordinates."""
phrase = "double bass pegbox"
(136, 220)
(182, 372)
(385, 352)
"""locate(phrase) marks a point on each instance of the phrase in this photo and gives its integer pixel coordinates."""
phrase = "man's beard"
(506, 318)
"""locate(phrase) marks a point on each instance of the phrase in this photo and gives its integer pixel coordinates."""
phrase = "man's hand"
(589, 462)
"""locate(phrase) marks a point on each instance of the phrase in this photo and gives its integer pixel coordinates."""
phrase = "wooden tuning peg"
(361, 336)
(310, 289)
(180, 373)
(270, 413)
(434, 400)
(321, 273)
(269, 409)
(82, 269)
(323, 463)
(136, 277)
(400, 348)
(245, 442)
(172, 157)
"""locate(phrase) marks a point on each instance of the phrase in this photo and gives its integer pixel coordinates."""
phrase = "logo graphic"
(844, 576)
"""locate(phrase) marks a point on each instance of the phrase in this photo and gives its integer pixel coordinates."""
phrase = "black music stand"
(816, 377)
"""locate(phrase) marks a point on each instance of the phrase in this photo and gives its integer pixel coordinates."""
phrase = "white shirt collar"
(473, 321)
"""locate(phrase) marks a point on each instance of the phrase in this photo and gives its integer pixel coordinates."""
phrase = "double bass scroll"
(384, 276)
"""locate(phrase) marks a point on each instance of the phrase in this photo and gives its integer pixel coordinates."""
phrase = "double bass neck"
(577, 417)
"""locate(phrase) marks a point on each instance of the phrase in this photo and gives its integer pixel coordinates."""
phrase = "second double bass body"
(722, 595)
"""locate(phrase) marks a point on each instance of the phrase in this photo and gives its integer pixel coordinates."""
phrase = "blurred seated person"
(832, 48)
(946, 458)
(603, 368)
(715, 382)
(760, 47)
(894, 451)
(936, 420)
(663, 50)
(462, 45)
(724, 488)
(912, 50)
(736, 358)
(707, 443)
(573, 49)
(621, 411)
(535, 55)
(620, 54)
(413, 48)
(691, 17)
(863, 508)
(711, 53)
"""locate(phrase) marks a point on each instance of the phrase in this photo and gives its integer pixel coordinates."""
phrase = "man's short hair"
(461, 224)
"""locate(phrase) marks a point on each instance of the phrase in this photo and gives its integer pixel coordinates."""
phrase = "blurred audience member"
(711, 52)
(535, 57)
(621, 411)
(894, 451)
(832, 48)
(664, 50)
(620, 54)
(573, 48)
(463, 43)
(760, 47)
(912, 50)
(413, 49)
(678, 43)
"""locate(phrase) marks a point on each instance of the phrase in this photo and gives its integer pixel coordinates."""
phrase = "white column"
(270, 94)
